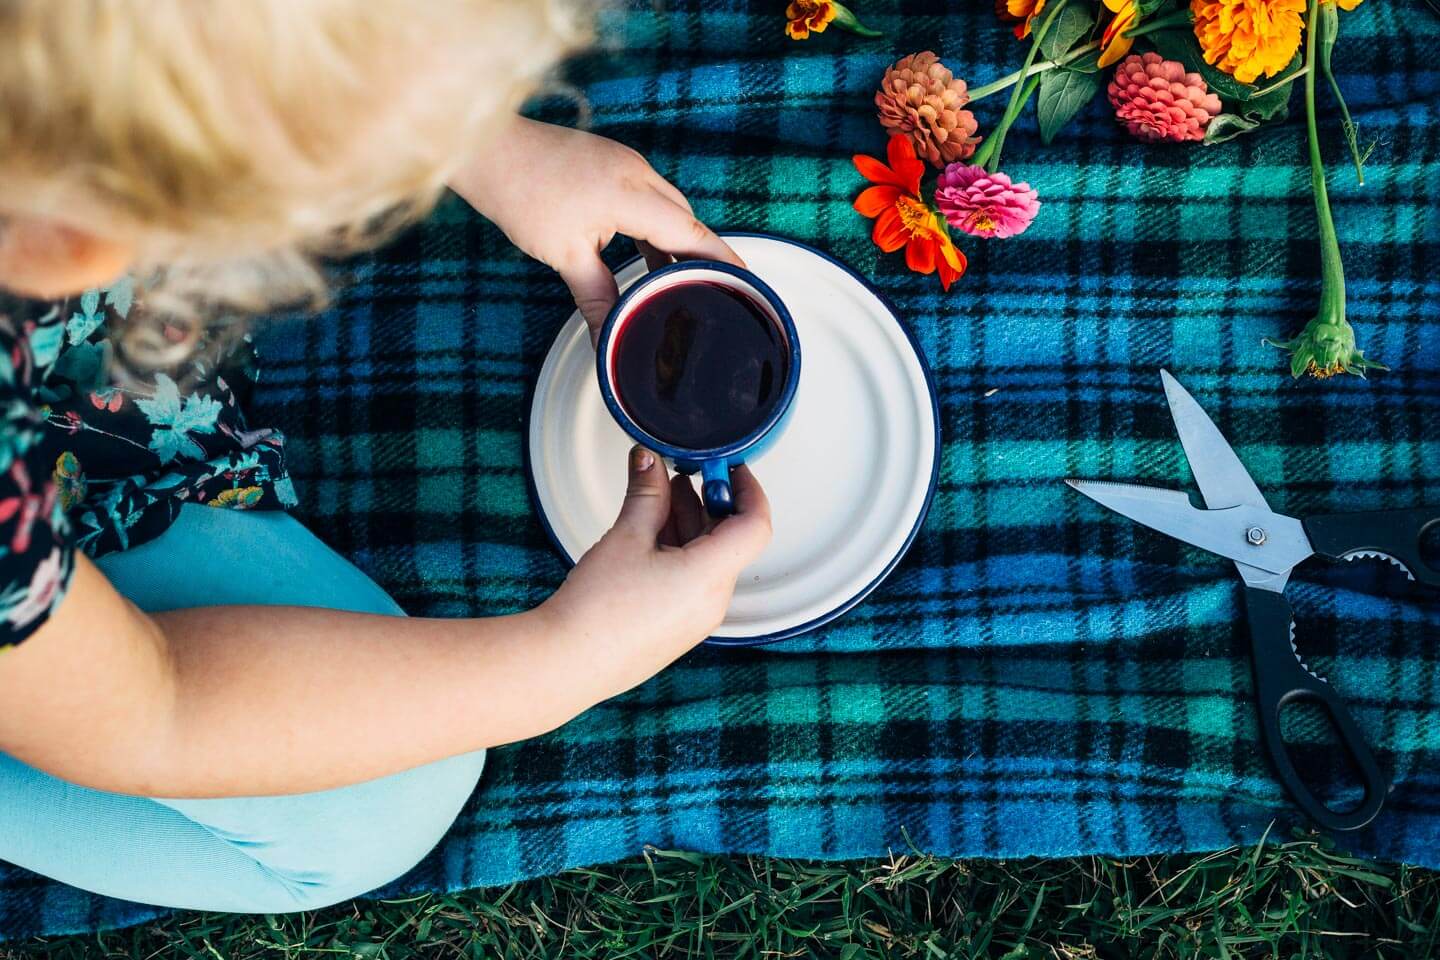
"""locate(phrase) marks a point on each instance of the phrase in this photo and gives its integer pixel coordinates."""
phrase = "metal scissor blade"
(1221, 477)
(1226, 532)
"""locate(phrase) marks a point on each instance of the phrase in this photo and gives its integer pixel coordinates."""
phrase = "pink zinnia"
(985, 204)
(1158, 100)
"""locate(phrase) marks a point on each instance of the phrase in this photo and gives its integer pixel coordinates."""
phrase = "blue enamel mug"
(712, 463)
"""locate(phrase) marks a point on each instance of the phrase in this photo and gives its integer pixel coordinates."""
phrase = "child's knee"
(319, 849)
(388, 834)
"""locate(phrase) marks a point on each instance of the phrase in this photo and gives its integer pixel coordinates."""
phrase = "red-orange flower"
(1024, 11)
(902, 219)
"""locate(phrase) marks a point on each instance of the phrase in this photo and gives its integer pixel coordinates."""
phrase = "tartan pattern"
(1038, 677)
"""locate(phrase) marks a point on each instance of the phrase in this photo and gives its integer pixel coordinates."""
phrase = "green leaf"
(1063, 93)
(1072, 23)
(1087, 63)
(1181, 45)
(1145, 9)
(1228, 126)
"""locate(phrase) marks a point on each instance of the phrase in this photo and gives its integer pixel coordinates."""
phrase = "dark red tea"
(699, 365)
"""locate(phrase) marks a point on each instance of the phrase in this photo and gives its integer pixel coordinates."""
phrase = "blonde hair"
(234, 143)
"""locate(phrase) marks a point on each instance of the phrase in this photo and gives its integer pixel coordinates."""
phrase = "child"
(308, 744)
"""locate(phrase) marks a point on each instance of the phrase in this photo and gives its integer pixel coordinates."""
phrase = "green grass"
(1298, 898)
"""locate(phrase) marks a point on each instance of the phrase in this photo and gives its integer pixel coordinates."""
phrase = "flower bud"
(1324, 348)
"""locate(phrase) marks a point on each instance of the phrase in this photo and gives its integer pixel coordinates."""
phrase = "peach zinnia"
(920, 98)
(902, 219)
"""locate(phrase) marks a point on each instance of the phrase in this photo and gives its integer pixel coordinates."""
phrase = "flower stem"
(996, 143)
(1009, 80)
(1329, 31)
(1332, 269)
(1280, 83)
(1182, 18)
(1326, 346)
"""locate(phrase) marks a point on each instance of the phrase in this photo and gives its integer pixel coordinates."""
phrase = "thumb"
(647, 498)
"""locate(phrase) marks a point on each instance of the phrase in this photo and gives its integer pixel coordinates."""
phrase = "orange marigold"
(805, 17)
(1246, 38)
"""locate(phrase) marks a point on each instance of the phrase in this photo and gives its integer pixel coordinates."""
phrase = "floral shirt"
(98, 463)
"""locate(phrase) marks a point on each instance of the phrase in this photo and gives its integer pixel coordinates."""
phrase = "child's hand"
(562, 195)
(659, 581)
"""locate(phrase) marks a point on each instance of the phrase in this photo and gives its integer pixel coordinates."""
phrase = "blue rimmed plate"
(849, 483)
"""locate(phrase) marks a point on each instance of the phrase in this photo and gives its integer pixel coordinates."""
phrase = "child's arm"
(562, 195)
(225, 701)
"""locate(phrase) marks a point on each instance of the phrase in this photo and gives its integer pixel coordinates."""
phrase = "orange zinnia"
(902, 219)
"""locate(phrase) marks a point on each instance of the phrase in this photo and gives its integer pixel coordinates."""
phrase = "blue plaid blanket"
(1038, 678)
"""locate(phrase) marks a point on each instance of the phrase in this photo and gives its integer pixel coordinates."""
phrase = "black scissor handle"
(1396, 533)
(1281, 680)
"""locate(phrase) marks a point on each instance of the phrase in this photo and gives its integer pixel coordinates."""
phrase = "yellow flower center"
(915, 217)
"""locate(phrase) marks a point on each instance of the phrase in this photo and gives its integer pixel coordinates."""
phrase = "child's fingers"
(686, 509)
(669, 534)
(658, 220)
(593, 286)
(669, 189)
(750, 499)
(654, 259)
(647, 497)
(742, 536)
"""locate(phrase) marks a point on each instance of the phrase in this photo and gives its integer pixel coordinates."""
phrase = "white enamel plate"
(849, 482)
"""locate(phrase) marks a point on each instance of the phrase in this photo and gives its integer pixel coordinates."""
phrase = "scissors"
(1266, 546)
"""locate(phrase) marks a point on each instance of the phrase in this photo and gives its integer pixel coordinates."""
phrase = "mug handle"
(715, 488)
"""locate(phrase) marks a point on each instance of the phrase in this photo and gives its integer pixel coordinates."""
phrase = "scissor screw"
(1255, 536)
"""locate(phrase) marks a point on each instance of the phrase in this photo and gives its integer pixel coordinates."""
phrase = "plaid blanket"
(1038, 677)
